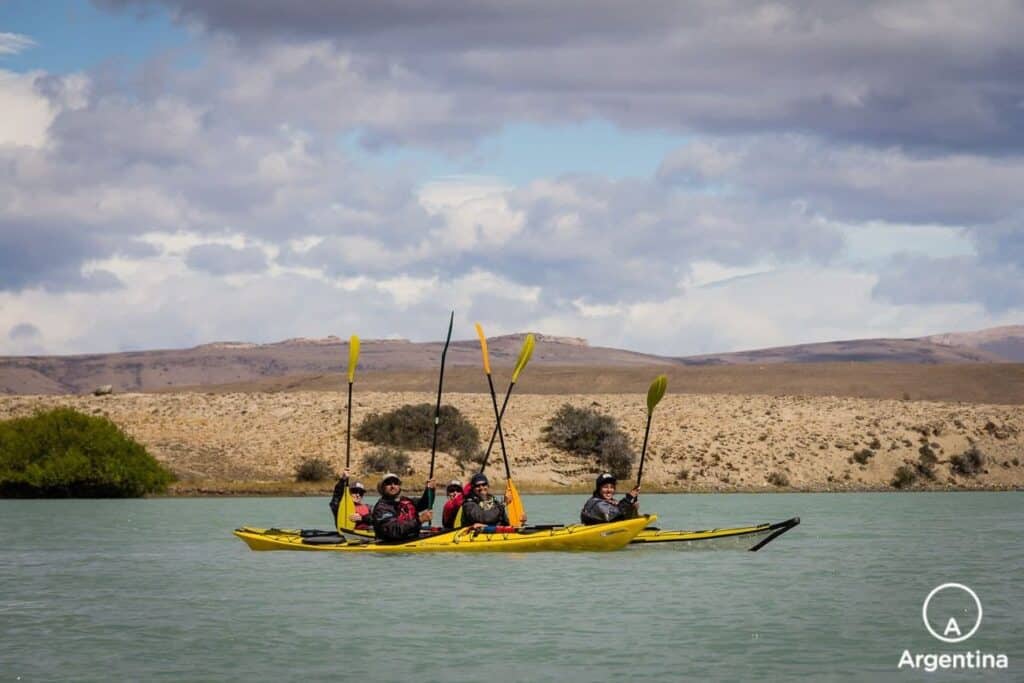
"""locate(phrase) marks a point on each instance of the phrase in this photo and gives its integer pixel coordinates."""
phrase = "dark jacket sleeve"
(628, 507)
(424, 502)
(387, 526)
(339, 491)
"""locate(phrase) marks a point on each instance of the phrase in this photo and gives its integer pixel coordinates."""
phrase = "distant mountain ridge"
(238, 362)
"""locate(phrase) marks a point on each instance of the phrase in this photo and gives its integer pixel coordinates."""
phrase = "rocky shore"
(251, 443)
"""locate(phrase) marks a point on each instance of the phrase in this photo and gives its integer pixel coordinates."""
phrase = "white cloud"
(26, 114)
(13, 43)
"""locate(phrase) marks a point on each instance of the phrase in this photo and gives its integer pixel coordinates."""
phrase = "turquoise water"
(160, 589)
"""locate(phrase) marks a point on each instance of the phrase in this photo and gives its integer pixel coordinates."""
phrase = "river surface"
(159, 589)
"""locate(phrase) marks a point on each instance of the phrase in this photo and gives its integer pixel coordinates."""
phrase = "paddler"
(481, 509)
(361, 517)
(602, 506)
(456, 495)
(397, 518)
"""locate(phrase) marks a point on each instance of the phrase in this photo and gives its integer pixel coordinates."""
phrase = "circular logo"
(951, 625)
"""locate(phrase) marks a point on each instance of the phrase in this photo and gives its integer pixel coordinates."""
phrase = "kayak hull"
(751, 538)
(601, 537)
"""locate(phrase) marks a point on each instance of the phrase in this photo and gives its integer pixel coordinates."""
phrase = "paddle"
(513, 502)
(654, 395)
(347, 508)
(524, 358)
(437, 408)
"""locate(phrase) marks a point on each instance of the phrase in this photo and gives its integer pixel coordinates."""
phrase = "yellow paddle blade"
(483, 348)
(514, 504)
(657, 390)
(524, 357)
(346, 508)
(353, 357)
(458, 519)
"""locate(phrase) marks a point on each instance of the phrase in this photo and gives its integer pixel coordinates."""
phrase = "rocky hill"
(299, 363)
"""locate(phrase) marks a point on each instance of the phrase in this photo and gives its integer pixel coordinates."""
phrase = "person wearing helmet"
(397, 518)
(456, 495)
(602, 506)
(361, 517)
(480, 508)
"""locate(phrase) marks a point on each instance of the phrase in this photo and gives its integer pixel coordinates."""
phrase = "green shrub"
(904, 477)
(778, 479)
(63, 453)
(863, 456)
(387, 460)
(314, 469)
(926, 462)
(412, 426)
(969, 463)
(588, 433)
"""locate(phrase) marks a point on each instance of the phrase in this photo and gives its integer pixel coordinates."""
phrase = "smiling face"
(608, 491)
(481, 490)
(392, 488)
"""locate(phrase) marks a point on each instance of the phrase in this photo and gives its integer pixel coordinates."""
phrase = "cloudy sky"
(669, 177)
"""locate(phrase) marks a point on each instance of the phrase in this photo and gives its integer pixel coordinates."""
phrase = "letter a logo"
(952, 634)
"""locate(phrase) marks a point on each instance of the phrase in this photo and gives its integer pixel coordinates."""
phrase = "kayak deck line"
(751, 538)
(577, 537)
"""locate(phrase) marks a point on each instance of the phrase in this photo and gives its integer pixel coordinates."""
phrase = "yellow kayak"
(611, 536)
(751, 538)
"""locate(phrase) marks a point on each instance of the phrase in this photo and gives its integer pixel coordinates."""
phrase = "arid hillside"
(231, 441)
(299, 363)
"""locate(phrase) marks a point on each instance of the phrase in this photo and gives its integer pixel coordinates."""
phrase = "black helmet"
(603, 479)
(478, 478)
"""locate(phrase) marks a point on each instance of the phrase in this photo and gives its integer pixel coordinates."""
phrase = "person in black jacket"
(397, 518)
(602, 507)
(480, 508)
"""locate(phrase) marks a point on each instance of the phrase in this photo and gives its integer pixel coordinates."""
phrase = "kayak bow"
(751, 538)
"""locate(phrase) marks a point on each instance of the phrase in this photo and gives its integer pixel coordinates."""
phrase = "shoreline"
(289, 489)
(250, 444)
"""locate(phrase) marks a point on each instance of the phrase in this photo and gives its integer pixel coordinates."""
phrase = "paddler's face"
(392, 488)
(607, 491)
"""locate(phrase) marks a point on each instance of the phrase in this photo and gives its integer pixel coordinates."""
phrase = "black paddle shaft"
(501, 435)
(643, 451)
(501, 414)
(437, 408)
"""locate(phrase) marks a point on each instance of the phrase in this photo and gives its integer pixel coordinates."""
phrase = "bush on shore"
(904, 477)
(63, 453)
(387, 460)
(314, 469)
(590, 434)
(969, 463)
(412, 426)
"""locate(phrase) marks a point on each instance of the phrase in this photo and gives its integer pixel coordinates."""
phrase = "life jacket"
(451, 512)
(363, 510)
(396, 520)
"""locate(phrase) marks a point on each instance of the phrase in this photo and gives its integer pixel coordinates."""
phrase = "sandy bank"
(250, 443)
